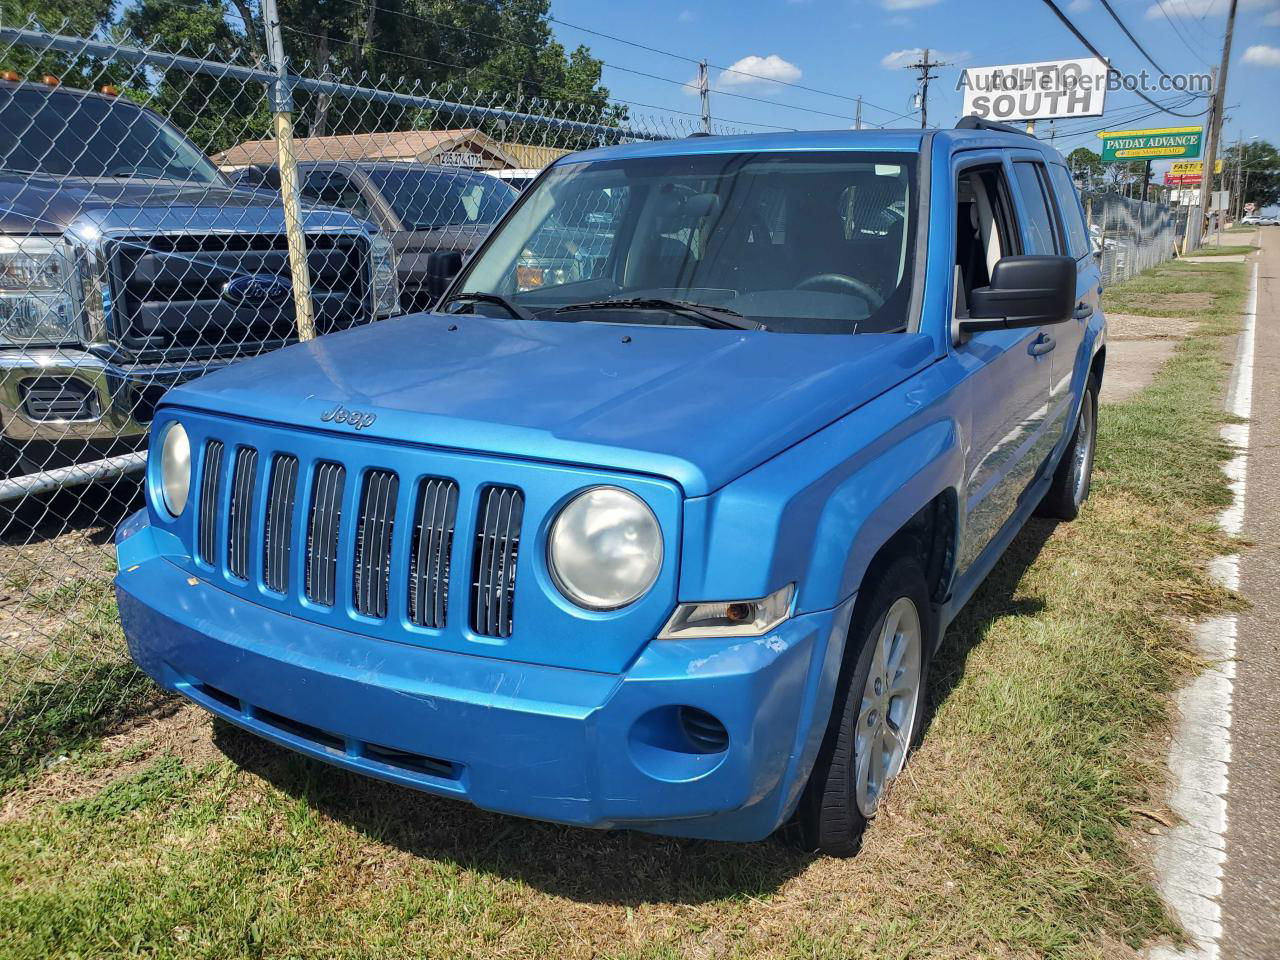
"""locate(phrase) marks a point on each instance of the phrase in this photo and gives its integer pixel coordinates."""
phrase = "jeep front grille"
(356, 546)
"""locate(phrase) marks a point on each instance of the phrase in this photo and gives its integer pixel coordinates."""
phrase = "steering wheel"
(842, 283)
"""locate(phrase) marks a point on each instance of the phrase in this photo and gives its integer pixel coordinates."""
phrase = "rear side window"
(1041, 235)
(1069, 210)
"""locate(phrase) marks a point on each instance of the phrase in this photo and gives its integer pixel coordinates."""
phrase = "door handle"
(1083, 311)
(1041, 345)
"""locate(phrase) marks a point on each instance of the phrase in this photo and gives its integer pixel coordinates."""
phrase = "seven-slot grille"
(287, 513)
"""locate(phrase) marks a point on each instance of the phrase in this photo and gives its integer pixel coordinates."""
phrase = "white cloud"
(761, 70)
(1080, 6)
(1200, 8)
(686, 16)
(900, 58)
(1262, 55)
(1272, 19)
(907, 4)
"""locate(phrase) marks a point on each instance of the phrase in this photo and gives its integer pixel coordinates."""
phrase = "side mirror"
(442, 267)
(1024, 292)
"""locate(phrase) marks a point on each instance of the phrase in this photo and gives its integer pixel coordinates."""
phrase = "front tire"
(1074, 476)
(878, 712)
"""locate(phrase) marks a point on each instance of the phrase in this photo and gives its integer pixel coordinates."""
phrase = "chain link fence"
(143, 242)
(1132, 235)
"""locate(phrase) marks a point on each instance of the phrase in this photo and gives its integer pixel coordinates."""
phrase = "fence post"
(281, 94)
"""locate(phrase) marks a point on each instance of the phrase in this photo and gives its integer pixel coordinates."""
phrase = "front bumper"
(577, 747)
(116, 401)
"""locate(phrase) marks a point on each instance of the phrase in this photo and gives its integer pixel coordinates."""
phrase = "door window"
(985, 228)
(331, 187)
(1070, 212)
(1042, 235)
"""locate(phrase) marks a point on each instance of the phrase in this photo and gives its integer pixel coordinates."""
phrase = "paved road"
(1251, 881)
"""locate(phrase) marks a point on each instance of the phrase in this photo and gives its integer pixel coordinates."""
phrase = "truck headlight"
(605, 549)
(37, 284)
(733, 618)
(386, 285)
(175, 468)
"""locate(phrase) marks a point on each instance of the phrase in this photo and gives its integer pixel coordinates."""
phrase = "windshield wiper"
(517, 311)
(720, 318)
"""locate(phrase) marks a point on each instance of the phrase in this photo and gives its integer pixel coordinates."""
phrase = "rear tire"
(878, 711)
(1072, 479)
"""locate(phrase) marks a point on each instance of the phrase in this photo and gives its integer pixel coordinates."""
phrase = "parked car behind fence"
(130, 264)
(422, 208)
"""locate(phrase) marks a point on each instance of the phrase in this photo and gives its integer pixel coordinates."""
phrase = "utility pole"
(925, 65)
(1214, 132)
(857, 116)
(704, 92)
(281, 94)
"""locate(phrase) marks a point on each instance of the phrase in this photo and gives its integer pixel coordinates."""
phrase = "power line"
(1066, 22)
(1106, 4)
(471, 31)
(1165, 13)
(534, 83)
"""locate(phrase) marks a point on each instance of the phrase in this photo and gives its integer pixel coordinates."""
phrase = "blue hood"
(701, 407)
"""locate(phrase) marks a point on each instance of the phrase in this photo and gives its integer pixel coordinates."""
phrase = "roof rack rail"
(977, 123)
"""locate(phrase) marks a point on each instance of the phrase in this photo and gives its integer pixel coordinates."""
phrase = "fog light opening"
(705, 733)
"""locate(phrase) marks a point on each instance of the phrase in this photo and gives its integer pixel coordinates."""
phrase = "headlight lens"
(386, 285)
(605, 549)
(37, 283)
(733, 618)
(175, 468)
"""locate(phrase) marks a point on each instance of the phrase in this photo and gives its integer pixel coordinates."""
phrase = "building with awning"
(471, 149)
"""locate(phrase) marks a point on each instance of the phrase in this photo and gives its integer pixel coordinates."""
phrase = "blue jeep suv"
(663, 541)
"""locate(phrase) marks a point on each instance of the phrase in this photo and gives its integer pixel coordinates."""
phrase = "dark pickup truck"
(128, 264)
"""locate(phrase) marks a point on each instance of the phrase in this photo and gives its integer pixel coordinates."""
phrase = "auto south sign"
(1168, 143)
(1035, 91)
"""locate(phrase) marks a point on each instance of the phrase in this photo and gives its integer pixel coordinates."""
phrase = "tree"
(1258, 163)
(499, 52)
(1085, 165)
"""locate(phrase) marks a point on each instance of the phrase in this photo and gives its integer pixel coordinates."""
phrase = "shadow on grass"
(590, 866)
(43, 716)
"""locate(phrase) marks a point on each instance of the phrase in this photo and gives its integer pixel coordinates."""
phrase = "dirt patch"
(1131, 365)
(1137, 347)
(1133, 326)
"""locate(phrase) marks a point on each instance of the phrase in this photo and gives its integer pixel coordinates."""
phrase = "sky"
(847, 48)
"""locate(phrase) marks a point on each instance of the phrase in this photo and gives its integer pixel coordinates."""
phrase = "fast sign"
(1192, 168)
(1035, 91)
(1163, 144)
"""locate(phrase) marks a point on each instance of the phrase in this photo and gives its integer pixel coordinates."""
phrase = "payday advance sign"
(1035, 91)
(1169, 143)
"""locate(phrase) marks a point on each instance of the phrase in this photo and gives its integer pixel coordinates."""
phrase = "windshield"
(423, 199)
(68, 135)
(801, 242)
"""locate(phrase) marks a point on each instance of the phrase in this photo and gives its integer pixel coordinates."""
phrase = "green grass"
(57, 699)
(1010, 836)
(1213, 250)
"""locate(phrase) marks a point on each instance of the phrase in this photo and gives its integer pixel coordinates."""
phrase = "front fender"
(816, 514)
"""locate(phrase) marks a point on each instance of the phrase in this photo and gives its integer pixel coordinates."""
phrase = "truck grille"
(168, 303)
(377, 562)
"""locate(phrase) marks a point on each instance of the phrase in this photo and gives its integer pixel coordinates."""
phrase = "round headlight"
(605, 549)
(175, 468)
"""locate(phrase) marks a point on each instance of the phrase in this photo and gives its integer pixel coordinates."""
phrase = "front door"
(1007, 371)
